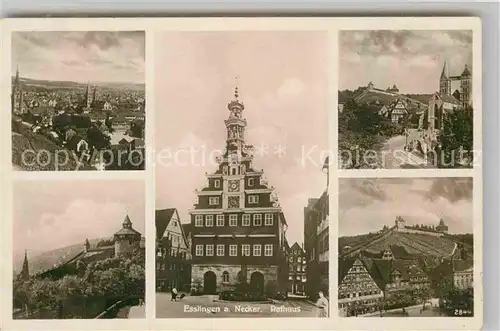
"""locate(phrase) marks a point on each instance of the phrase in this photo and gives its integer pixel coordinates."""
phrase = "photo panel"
(78, 100)
(400, 261)
(242, 185)
(78, 249)
(405, 99)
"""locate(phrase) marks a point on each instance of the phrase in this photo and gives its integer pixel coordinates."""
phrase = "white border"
(151, 25)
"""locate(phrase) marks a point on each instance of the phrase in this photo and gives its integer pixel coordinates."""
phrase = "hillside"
(47, 260)
(29, 82)
(413, 243)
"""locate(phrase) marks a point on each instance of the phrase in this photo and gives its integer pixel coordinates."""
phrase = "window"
(225, 277)
(199, 250)
(257, 250)
(209, 220)
(220, 250)
(233, 250)
(298, 267)
(212, 201)
(246, 220)
(174, 223)
(268, 250)
(220, 220)
(268, 219)
(209, 250)
(198, 220)
(233, 220)
(253, 199)
(245, 250)
(217, 183)
(251, 181)
(257, 219)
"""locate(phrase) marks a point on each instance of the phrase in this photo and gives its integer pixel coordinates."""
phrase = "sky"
(284, 90)
(55, 214)
(367, 204)
(96, 56)
(411, 59)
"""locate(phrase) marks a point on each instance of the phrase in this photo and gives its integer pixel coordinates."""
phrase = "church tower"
(88, 96)
(465, 87)
(445, 81)
(17, 95)
(25, 272)
(127, 240)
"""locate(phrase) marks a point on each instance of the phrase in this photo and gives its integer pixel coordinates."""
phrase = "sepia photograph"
(78, 249)
(406, 247)
(405, 99)
(241, 174)
(78, 100)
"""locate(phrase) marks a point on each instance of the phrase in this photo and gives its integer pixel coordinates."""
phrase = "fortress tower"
(127, 240)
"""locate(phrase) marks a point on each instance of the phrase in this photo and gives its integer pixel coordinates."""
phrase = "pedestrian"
(322, 304)
(174, 294)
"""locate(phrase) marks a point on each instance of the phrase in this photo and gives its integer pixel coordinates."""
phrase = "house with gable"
(173, 252)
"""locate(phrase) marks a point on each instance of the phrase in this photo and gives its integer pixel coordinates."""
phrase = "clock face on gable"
(233, 185)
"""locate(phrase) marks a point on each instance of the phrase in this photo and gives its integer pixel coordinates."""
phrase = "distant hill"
(75, 85)
(47, 260)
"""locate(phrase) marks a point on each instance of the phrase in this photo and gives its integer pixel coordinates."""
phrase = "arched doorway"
(209, 283)
(257, 282)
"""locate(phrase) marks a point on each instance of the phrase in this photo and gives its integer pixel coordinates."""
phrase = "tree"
(457, 139)
(360, 130)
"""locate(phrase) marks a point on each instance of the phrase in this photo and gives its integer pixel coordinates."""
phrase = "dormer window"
(217, 183)
(251, 182)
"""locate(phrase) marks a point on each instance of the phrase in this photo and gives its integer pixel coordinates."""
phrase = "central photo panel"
(241, 174)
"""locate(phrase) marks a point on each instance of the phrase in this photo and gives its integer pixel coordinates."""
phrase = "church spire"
(444, 73)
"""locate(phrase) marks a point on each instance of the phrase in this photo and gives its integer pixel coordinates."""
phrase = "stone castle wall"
(124, 247)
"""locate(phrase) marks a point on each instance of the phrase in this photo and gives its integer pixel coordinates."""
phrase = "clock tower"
(238, 225)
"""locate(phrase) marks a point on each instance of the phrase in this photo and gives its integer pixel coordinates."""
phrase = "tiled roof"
(450, 99)
(127, 231)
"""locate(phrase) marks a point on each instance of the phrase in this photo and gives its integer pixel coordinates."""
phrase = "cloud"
(369, 204)
(80, 56)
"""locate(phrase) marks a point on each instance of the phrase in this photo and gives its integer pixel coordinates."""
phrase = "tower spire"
(444, 73)
(25, 273)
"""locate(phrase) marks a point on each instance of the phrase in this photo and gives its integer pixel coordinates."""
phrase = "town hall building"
(238, 227)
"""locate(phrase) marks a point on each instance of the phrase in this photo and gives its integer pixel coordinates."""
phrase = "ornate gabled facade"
(238, 227)
(297, 269)
(357, 287)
